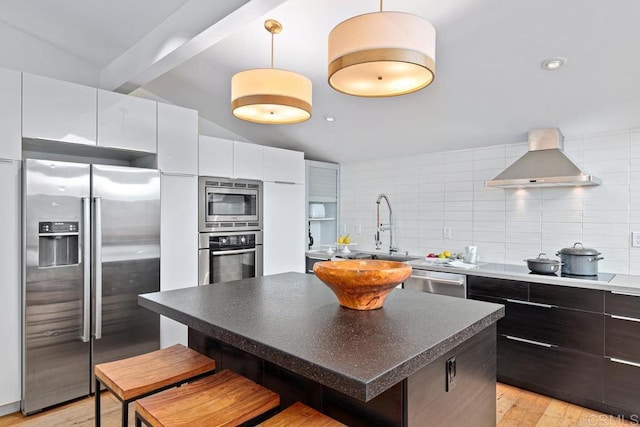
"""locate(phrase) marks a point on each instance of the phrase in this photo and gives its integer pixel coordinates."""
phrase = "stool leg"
(97, 396)
(138, 420)
(125, 413)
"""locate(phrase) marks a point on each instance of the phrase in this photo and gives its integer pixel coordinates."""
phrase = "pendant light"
(382, 54)
(270, 95)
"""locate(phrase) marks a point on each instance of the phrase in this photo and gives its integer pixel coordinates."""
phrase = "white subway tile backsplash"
(552, 228)
(489, 164)
(493, 226)
(507, 225)
(458, 156)
(602, 218)
(606, 140)
(489, 215)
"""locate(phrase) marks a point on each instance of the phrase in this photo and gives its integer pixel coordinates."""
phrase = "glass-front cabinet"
(323, 195)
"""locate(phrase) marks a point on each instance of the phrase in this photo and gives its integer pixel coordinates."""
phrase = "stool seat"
(299, 415)
(223, 399)
(138, 376)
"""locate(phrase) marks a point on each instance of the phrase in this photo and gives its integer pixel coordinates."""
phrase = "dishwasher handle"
(459, 282)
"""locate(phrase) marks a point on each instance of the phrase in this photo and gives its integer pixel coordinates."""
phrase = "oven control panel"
(232, 242)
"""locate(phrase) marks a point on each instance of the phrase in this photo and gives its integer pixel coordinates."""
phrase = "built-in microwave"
(229, 204)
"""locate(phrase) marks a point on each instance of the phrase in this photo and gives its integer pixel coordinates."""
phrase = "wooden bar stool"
(223, 399)
(139, 376)
(300, 415)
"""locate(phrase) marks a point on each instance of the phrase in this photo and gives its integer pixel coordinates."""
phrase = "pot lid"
(543, 259)
(575, 250)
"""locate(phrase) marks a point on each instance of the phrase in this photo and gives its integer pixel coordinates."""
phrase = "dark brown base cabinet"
(574, 344)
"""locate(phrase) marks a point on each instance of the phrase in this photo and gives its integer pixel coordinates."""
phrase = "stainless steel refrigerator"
(91, 244)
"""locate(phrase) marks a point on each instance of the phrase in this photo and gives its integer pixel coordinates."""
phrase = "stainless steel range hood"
(544, 165)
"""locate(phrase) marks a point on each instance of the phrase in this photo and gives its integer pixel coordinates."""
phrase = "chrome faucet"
(383, 227)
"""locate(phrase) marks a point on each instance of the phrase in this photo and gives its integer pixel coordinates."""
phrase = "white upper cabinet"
(215, 157)
(126, 122)
(177, 139)
(283, 165)
(248, 160)
(57, 110)
(10, 119)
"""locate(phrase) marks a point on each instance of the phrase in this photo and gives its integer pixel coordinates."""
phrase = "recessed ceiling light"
(553, 63)
(329, 118)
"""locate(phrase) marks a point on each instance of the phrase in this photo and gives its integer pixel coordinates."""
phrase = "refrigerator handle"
(97, 263)
(86, 266)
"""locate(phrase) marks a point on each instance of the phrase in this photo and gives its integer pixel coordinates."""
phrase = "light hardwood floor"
(515, 408)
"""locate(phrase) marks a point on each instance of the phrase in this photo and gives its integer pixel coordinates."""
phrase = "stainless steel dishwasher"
(437, 282)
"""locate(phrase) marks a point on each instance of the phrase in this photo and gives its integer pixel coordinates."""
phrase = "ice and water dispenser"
(58, 243)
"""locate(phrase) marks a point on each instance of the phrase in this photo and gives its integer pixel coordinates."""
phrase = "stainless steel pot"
(579, 261)
(542, 264)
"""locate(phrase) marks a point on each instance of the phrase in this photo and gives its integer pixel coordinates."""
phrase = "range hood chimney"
(544, 165)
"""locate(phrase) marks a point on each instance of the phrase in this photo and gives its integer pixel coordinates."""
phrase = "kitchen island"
(381, 367)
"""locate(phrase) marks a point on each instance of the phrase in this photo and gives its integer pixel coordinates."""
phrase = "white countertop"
(620, 282)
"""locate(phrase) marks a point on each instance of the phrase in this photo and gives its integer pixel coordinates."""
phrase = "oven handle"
(234, 252)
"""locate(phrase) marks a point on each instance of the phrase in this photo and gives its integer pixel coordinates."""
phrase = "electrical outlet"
(446, 232)
(635, 239)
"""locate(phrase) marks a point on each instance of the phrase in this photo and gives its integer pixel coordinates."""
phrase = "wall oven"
(229, 204)
(229, 256)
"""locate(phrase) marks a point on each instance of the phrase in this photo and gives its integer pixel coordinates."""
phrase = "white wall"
(434, 190)
(24, 52)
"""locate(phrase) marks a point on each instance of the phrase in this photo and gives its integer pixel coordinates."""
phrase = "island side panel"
(472, 402)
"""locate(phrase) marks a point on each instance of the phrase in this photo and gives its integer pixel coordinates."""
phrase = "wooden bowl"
(362, 284)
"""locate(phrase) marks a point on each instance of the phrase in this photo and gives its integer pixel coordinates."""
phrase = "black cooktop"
(600, 277)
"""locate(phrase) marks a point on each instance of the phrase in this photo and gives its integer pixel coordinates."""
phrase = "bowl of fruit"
(344, 242)
(439, 258)
(362, 284)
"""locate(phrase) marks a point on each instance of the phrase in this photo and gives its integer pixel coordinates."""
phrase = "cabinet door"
(10, 295)
(10, 114)
(126, 122)
(573, 329)
(178, 245)
(567, 296)
(177, 139)
(622, 338)
(283, 228)
(283, 165)
(58, 111)
(622, 385)
(572, 372)
(497, 288)
(215, 157)
(248, 161)
(622, 304)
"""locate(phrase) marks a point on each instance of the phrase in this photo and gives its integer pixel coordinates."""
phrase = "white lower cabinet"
(284, 228)
(10, 287)
(178, 245)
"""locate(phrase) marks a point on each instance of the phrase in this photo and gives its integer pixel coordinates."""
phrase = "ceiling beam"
(195, 27)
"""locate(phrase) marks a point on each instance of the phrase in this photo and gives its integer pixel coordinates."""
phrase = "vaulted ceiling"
(489, 87)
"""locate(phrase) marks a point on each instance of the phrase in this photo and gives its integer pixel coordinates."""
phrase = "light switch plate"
(635, 239)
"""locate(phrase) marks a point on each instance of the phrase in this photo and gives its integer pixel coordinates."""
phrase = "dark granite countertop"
(294, 321)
